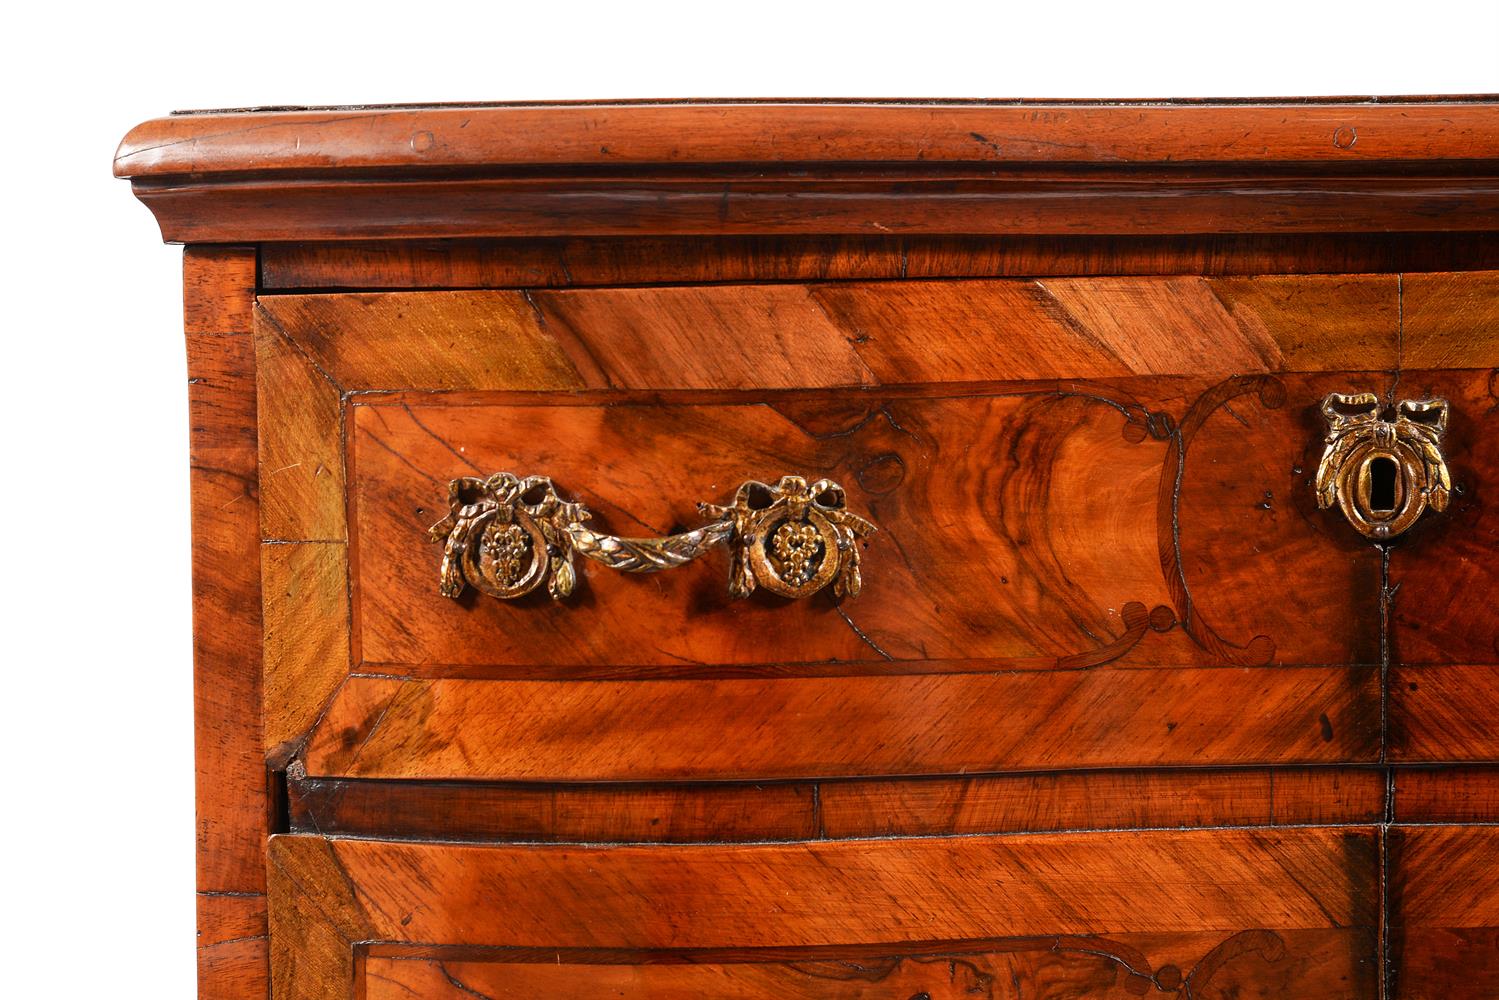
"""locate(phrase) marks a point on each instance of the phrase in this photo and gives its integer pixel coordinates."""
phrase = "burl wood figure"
(843, 550)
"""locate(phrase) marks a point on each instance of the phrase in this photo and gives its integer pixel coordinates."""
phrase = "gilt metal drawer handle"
(504, 535)
(1383, 473)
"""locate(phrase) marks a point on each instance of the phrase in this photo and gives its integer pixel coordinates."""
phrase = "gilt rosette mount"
(1383, 470)
(506, 535)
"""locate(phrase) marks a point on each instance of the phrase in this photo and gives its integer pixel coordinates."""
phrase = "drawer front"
(1020, 528)
(1097, 540)
(1284, 913)
(1444, 612)
(1444, 905)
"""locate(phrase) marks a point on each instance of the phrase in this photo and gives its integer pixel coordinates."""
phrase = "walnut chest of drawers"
(843, 550)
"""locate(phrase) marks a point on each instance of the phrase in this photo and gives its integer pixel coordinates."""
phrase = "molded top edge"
(395, 139)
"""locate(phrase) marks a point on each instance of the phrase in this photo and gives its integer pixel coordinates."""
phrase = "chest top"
(870, 168)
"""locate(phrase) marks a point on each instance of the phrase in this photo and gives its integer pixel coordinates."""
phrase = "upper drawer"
(1028, 527)
(1096, 526)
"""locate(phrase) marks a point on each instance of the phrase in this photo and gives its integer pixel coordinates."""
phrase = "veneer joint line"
(1353, 827)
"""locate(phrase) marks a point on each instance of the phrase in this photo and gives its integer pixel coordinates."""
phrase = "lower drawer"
(1444, 908)
(1284, 913)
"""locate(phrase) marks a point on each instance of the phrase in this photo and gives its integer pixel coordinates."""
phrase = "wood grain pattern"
(306, 644)
(474, 811)
(794, 728)
(548, 263)
(1444, 713)
(1444, 635)
(1102, 800)
(1031, 527)
(1449, 320)
(1446, 795)
(1126, 202)
(301, 442)
(1102, 327)
(850, 334)
(233, 946)
(450, 340)
(304, 525)
(218, 289)
(1444, 626)
(1165, 889)
(609, 133)
(746, 202)
(232, 821)
(818, 168)
(1285, 964)
(1448, 565)
(577, 263)
(732, 812)
(1118, 712)
(1244, 255)
(1444, 912)
(314, 918)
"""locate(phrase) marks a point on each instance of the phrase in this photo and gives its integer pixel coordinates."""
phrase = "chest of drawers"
(843, 550)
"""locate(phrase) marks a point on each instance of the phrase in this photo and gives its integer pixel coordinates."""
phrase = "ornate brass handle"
(504, 535)
(1383, 473)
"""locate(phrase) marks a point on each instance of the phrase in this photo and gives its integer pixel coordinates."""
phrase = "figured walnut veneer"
(1119, 711)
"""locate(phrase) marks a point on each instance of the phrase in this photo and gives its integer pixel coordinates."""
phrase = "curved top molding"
(704, 168)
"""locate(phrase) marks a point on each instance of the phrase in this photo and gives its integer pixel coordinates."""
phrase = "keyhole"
(1382, 473)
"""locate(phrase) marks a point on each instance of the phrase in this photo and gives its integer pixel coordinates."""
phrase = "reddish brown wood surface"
(1026, 529)
(606, 133)
(232, 808)
(817, 168)
(233, 946)
(1446, 794)
(844, 334)
(306, 637)
(791, 728)
(1142, 901)
(1444, 912)
(1238, 529)
(600, 343)
(1444, 620)
(1447, 569)
(971, 202)
(1288, 964)
(1100, 568)
(453, 811)
(1448, 321)
(1102, 800)
(1443, 712)
(1010, 803)
(562, 263)
(304, 558)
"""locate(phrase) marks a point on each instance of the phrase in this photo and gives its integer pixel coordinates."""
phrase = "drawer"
(1094, 548)
(1444, 907)
(1287, 913)
(1020, 527)
(1121, 544)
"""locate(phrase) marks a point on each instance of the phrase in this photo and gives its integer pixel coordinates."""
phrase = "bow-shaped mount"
(1383, 471)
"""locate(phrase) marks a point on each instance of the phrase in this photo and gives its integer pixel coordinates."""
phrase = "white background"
(95, 667)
